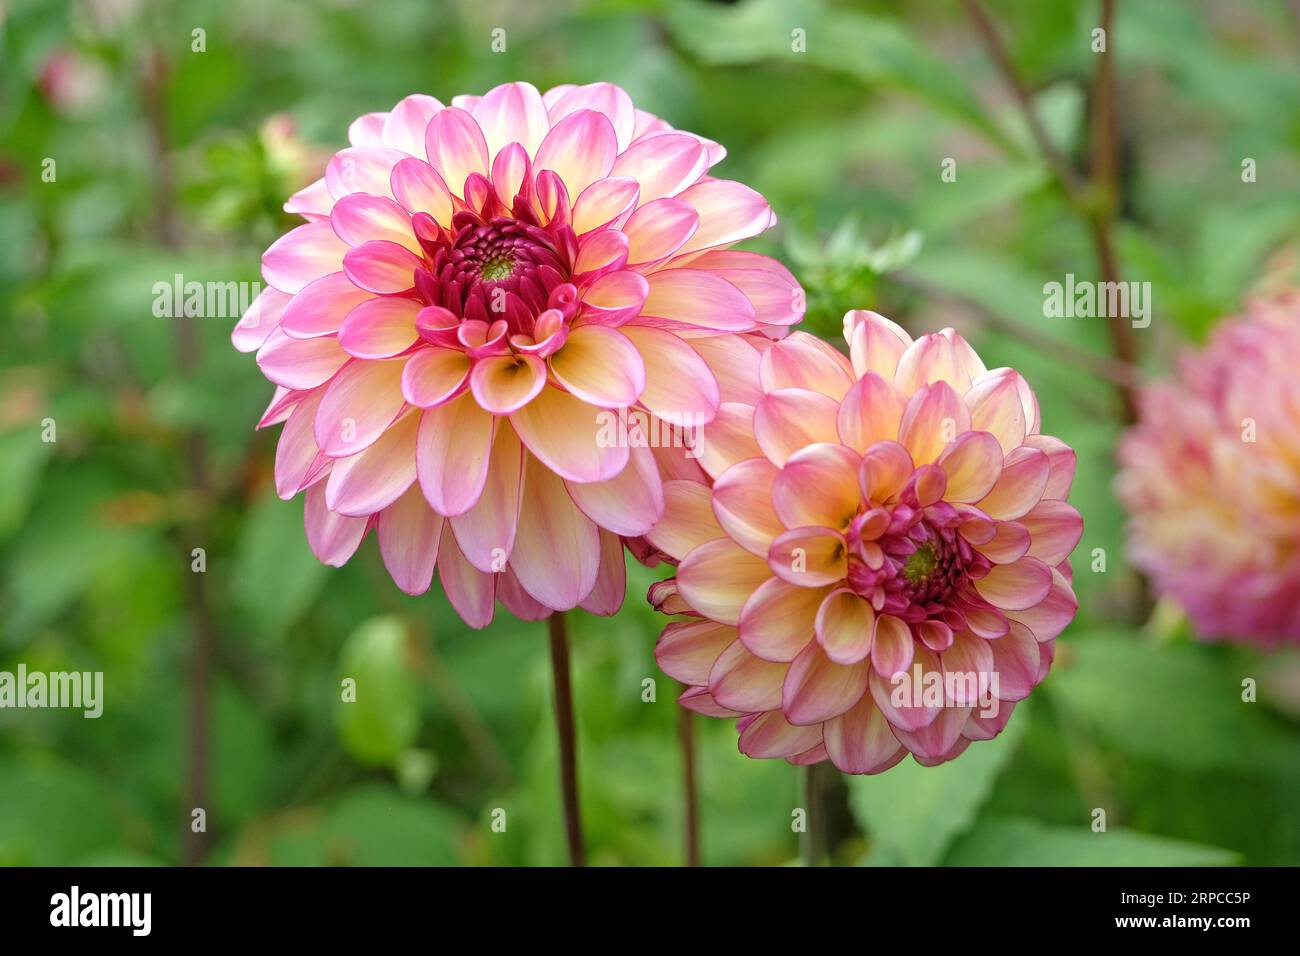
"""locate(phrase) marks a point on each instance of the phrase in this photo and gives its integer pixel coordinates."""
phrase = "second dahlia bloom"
(877, 562)
(477, 289)
(1211, 479)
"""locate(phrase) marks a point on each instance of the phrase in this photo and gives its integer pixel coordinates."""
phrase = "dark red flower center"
(910, 561)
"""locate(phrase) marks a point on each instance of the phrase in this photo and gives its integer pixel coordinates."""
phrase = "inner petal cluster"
(910, 561)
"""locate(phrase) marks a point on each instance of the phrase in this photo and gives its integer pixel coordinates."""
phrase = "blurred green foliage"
(173, 161)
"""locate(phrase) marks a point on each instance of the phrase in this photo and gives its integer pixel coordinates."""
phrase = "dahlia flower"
(877, 562)
(476, 291)
(1210, 476)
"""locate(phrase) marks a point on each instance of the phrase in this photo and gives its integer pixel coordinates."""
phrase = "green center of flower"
(920, 564)
(498, 267)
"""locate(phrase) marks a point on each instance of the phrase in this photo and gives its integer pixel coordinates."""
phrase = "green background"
(846, 139)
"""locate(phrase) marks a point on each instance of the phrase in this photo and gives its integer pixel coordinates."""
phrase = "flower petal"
(892, 646)
(1053, 614)
(663, 165)
(380, 328)
(557, 548)
(409, 532)
(406, 123)
(771, 735)
(717, 578)
(363, 399)
(605, 98)
(486, 532)
(860, 739)
(875, 343)
(935, 415)
(679, 385)
(580, 148)
(263, 316)
(567, 434)
(382, 267)
(471, 592)
(728, 439)
(321, 307)
(607, 594)
(790, 418)
(817, 689)
(742, 503)
(805, 361)
(745, 683)
(1019, 487)
(506, 383)
(332, 537)
(778, 620)
(601, 366)
(940, 357)
(818, 485)
(419, 188)
(845, 625)
(604, 202)
(376, 477)
(729, 212)
(300, 363)
(1055, 528)
(687, 520)
(433, 376)
(630, 503)
(512, 113)
(733, 362)
(301, 255)
(452, 454)
(360, 217)
(1017, 586)
(809, 557)
(456, 148)
(973, 464)
(692, 299)
(687, 650)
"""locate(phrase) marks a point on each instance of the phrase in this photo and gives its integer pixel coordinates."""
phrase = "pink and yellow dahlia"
(1211, 479)
(475, 290)
(879, 562)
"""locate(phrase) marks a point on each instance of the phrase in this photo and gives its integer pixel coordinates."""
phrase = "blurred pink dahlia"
(880, 562)
(477, 290)
(1210, 476)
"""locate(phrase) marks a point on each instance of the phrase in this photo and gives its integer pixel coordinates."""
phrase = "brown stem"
(983, 24)
(568, 739)
(1094, 201)
(1104, 163)
(814, 798)
(686, 737)
(188, 358)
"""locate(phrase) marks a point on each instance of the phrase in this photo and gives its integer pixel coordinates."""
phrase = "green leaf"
(1020, 842)
(1172, 704)
(276, 576)
(52, 815)
(24, 455)
(381, 724)
(913, 813)
(872, 50)
(369, 826)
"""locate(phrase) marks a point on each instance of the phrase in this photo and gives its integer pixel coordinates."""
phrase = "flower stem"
(568, 739)
(686, 737)
(814, 798)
